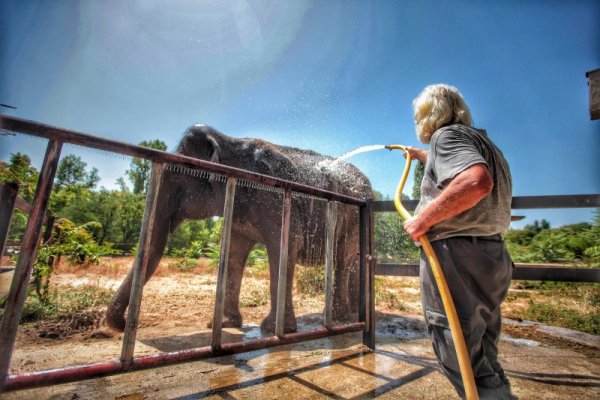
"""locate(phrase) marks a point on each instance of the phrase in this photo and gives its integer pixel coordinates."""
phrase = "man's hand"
(415, 227)
(416, 154)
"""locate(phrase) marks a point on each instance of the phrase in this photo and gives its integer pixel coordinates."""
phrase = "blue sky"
(326, 75)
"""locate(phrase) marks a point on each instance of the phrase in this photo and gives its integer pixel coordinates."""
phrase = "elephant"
(257, 219)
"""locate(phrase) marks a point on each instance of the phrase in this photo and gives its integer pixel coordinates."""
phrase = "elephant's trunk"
(115, 313)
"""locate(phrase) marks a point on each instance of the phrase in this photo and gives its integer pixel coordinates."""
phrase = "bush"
(311, 280)
(64, 302)
(558, 315)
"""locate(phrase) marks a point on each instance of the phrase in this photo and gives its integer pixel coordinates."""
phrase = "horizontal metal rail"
(527, 272)
(540, 272)
(518, 202)
(76, 373)
(82, 139)
(57, 137)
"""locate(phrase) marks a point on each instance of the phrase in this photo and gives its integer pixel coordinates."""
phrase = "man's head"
(436, 106)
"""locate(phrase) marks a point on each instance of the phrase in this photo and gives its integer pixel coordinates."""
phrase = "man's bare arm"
(462, 193)
(417, 154)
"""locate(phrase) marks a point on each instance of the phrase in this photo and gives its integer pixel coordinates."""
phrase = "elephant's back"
(319, 170)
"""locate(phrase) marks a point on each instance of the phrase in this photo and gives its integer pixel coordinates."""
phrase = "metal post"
(283, 261)
(367, 295)
(329, 249)
(29, 249)
(8, 197)
(223, 263)
(141, 263)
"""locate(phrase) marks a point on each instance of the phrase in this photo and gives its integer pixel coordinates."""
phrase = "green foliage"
(255, 295)
(573, 244)
(392, 244)
(71, 172)
(213, 252)
(139, 173)
(257, 259)
(311, 280)
(69, 240)
(559, 315)
(63, 302)
(418, 174)
(19, 170)
(194, 236)
(386, 297)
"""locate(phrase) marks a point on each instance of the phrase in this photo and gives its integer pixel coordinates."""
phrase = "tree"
(392, 244)
(72, 187)
(19, 170)
(71, 172)
(419, 172)
(140, 168)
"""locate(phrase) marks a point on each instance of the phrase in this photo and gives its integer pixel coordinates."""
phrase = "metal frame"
(541, 272)
(127, 362)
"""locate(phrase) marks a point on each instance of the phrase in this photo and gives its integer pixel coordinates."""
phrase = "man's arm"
(417, 154)
(462, 193)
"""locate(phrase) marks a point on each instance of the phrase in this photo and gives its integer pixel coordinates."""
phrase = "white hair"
(436, 106)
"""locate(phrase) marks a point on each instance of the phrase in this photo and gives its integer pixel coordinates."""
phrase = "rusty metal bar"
(518, 202)
(29, 249)
(69, 374)
(8, 197)
(223, 263)
(546, 273)
(113, 146)
(366, 294)
(141, 263)
(531, 272)
(329, 266)
(283, 264)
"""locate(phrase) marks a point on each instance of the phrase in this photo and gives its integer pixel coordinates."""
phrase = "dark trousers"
(478, 271)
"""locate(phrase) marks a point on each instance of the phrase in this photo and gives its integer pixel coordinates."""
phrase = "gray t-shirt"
(453, 149)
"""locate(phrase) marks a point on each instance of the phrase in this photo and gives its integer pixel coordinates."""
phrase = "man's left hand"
(415, 227)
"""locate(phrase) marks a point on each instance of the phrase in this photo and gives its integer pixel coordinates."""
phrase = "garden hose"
(464, 361)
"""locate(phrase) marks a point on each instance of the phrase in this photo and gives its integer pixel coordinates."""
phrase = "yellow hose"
(464, 361)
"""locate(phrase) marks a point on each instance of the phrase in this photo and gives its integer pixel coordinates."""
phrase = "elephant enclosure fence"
(196, 168)
(221, 340)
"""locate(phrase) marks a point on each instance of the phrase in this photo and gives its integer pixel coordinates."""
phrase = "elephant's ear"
(201, 141)
(216, 149)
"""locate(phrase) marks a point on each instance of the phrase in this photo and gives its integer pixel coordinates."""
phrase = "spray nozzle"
(395, 147)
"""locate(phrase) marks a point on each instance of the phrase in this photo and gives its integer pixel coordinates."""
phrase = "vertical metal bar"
(141, 263)
(283, 261)
(29, 249)
(329, 248)
(223, 263)
(8, 197)
(367, 269)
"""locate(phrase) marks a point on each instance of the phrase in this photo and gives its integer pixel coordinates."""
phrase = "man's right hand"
(417, 154)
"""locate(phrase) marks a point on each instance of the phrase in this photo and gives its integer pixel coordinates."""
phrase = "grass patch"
(63, 302)
(311, 280)
(559, 315)
(255, 294)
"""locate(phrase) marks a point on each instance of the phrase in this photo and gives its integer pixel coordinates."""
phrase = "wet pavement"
(402, 366)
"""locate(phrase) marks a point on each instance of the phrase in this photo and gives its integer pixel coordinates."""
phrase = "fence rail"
(540, 272)
(161, 160)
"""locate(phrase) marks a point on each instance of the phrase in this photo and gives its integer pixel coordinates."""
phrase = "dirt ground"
(177, 307)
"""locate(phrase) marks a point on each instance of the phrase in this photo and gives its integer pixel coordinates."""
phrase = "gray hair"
(436, 106)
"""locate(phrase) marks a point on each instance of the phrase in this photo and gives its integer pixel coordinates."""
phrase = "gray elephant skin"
(257, 219)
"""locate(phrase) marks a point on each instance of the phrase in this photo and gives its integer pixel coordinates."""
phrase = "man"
(464, 209)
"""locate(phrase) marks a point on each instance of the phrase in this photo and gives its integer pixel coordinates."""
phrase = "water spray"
(464, 361)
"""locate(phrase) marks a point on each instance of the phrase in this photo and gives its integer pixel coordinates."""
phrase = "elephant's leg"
(290, 325)
(345, 296)
(238, 255)
(115, 314)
